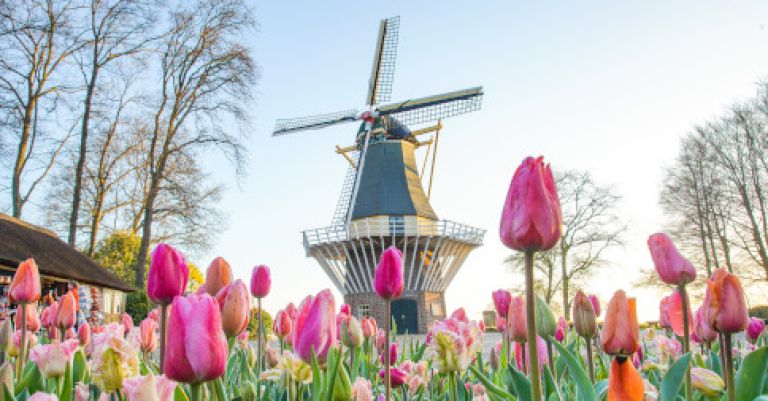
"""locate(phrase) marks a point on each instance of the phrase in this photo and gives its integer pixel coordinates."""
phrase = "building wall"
(430, 307)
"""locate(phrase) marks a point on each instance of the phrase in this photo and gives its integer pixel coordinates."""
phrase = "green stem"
(728, 369)
(258, 349)
(22, 308)
(387, 384)
(530, 306)
(455, 384)
(163, 331)
(195, 392)
(551, 358)
(686, 341)
(590, 362)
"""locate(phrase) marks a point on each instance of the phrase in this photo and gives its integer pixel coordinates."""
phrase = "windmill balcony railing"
(377, 228)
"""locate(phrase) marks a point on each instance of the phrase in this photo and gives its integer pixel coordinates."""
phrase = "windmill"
(383, 203)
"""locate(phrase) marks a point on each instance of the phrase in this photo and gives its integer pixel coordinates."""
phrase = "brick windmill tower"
(383, 202)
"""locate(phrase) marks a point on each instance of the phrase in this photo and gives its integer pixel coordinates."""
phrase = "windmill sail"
(342, 206)
(433, 108)
(288, 125)
(383, 69)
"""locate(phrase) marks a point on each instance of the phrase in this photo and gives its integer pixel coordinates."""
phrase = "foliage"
(138, 305)
(760, 311)
(196, 278)
(253, 324)
(117, 252)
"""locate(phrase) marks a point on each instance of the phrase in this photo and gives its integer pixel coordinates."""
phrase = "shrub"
(760, 311)
(138, 305)
(253, 324)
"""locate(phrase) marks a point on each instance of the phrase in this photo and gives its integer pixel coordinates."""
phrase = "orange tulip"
(218, 276)
(620, 330)
(724, 303)
(624, 383)
(25, 287)
(67, 309)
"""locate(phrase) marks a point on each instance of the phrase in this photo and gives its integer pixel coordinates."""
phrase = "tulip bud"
(234, 302)
(595, 304)
(218, 276)
(351, 332)
(621, 332)
(562, 327)
(168, 275)
(147, 335)
(342, 387)
(531, 219)
(726, 308)
(501, 299)
(369, 327)
(392, 355)
(272, 357)
(396, 376)
(283, 325)
(388, 280)
(66, 313)
(516, 320)
(664, 322)
(84, 334)
(583, 316)
(707, 382)
(545, 319)
(261, 281)
(671, 266)
(315, 327)
(25, 287)
(6, 336)
(251, 357)
(755, 328)
(127, 321)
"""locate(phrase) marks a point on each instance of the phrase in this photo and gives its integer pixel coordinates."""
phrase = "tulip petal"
(624, 382)
(675, 311)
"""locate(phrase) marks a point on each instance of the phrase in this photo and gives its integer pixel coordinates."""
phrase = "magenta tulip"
(235, 307)
(261, 281)
(562, 328)
(392, 354)
(25, 287)
(531, 219)
(501, 299)
(197, 348)
(388, 281)
(168, 275)
(397, 376)
(315, 327)
(755, 328)
(595, 304)
(671, 266)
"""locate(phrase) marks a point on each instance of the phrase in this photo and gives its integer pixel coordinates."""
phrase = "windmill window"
(363, 310)
(396, 224)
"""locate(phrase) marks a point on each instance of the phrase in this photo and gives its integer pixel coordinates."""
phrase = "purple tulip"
(261, 281)
(168, 275)
(388, 282)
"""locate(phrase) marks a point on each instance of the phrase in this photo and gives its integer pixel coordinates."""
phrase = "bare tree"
(591, 226)
(115, 29)
(206, 76)
(36, 38)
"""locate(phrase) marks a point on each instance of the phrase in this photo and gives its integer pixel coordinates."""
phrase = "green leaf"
(66, 390)
(577, 373)
(713, 363)
(79, 367)
(521, 383)
(317, 378)
(7, 394)
(550, 386)
(489, 386)
(673, 380)
(179, 394)
(749, 379)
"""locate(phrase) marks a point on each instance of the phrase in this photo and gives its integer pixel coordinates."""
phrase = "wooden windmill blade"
(289, 125)
(436, 107)
(384, 60)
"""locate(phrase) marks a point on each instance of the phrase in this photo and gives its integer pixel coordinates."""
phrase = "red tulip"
(315, 327)
(25, 287)
(676, 314)
(595, 304)
(197, 348)
(501, 299)
(671, 266)
(388, 281)
(624, 383)
(84, 334)
(531, 219)
(261, 281)
(755, 328)
(583, 316)
(235, 307)
(664, 313)
(148, 336)
(127, 321)
(701, 327)
(168, 275)
(283, 326)
(369, 327)
(725, 306)
(33, 321)
(621, 333)
(66, 311)
(218, 276)
(516, 319)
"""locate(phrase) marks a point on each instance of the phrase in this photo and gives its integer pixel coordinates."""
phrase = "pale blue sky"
(605, 86)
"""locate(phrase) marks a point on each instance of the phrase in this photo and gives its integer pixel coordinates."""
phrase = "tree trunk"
(18, 168)
(72, 238)
(146, 233)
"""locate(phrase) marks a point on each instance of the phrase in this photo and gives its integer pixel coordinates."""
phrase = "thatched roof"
(20, 240)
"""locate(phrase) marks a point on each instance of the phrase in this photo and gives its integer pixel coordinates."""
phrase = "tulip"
(127, 321)
(755, 328)
(531, 219)
(707, 382)
(543, 355)
(664, 313)
(40, 396)
(351, 332)
(495, 357)
(545, 319)
(147, 335)
(361, 390)
(49, 316)
(516, 320)
(70, 334)
(595, 304)
(501, 300)
(261, 281)
(501, 324)
(82, 392)
(583, 316)
(154, 314)
(620, 334)
(283, 325)
(149, 387)
(671, 266)
(272, 357)
(392, 354)
(675, 310)
(624, 382)
(84, 334)
(726, 309)
(168, 275)
(388, 281)
(33, 320)
(291, 310)
(218, 276)
(562, 327)
(67, 311)
(51, 359)
(345, 309)
(369, 327)
(396, 376)
(314, 328)
(234, 302)
(25, 287)
(198, 352)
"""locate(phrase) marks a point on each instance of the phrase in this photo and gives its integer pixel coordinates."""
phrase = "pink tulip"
(361, 390)
(127, 321)
(235, 305)
(388, 280)
(369, 327)
(31, 339)
(261, 281)
(460, 314)
(595, 304)
(531, 219)
(543, 354)
(150, 387)
(53, 333)
(242, 338)
(218, 276)
(664, 313)
(197, 348)
(345, 309)
(25, 287)
(82, 392)
(516, 321)
(392, 355)
(49, 315)
(562, 327)
(621, 332)
(40, 396)
(291, 310)
(315, 327)
(67, 311)
(676, 314)
(501, 324)
(52, 358)
(396, 376)
(755, 327)
(33, 321)
(725, 306)
(148, 335)
(84, 334)
(671, 266)
(71, 334)
(283, 326)
(168, 275)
